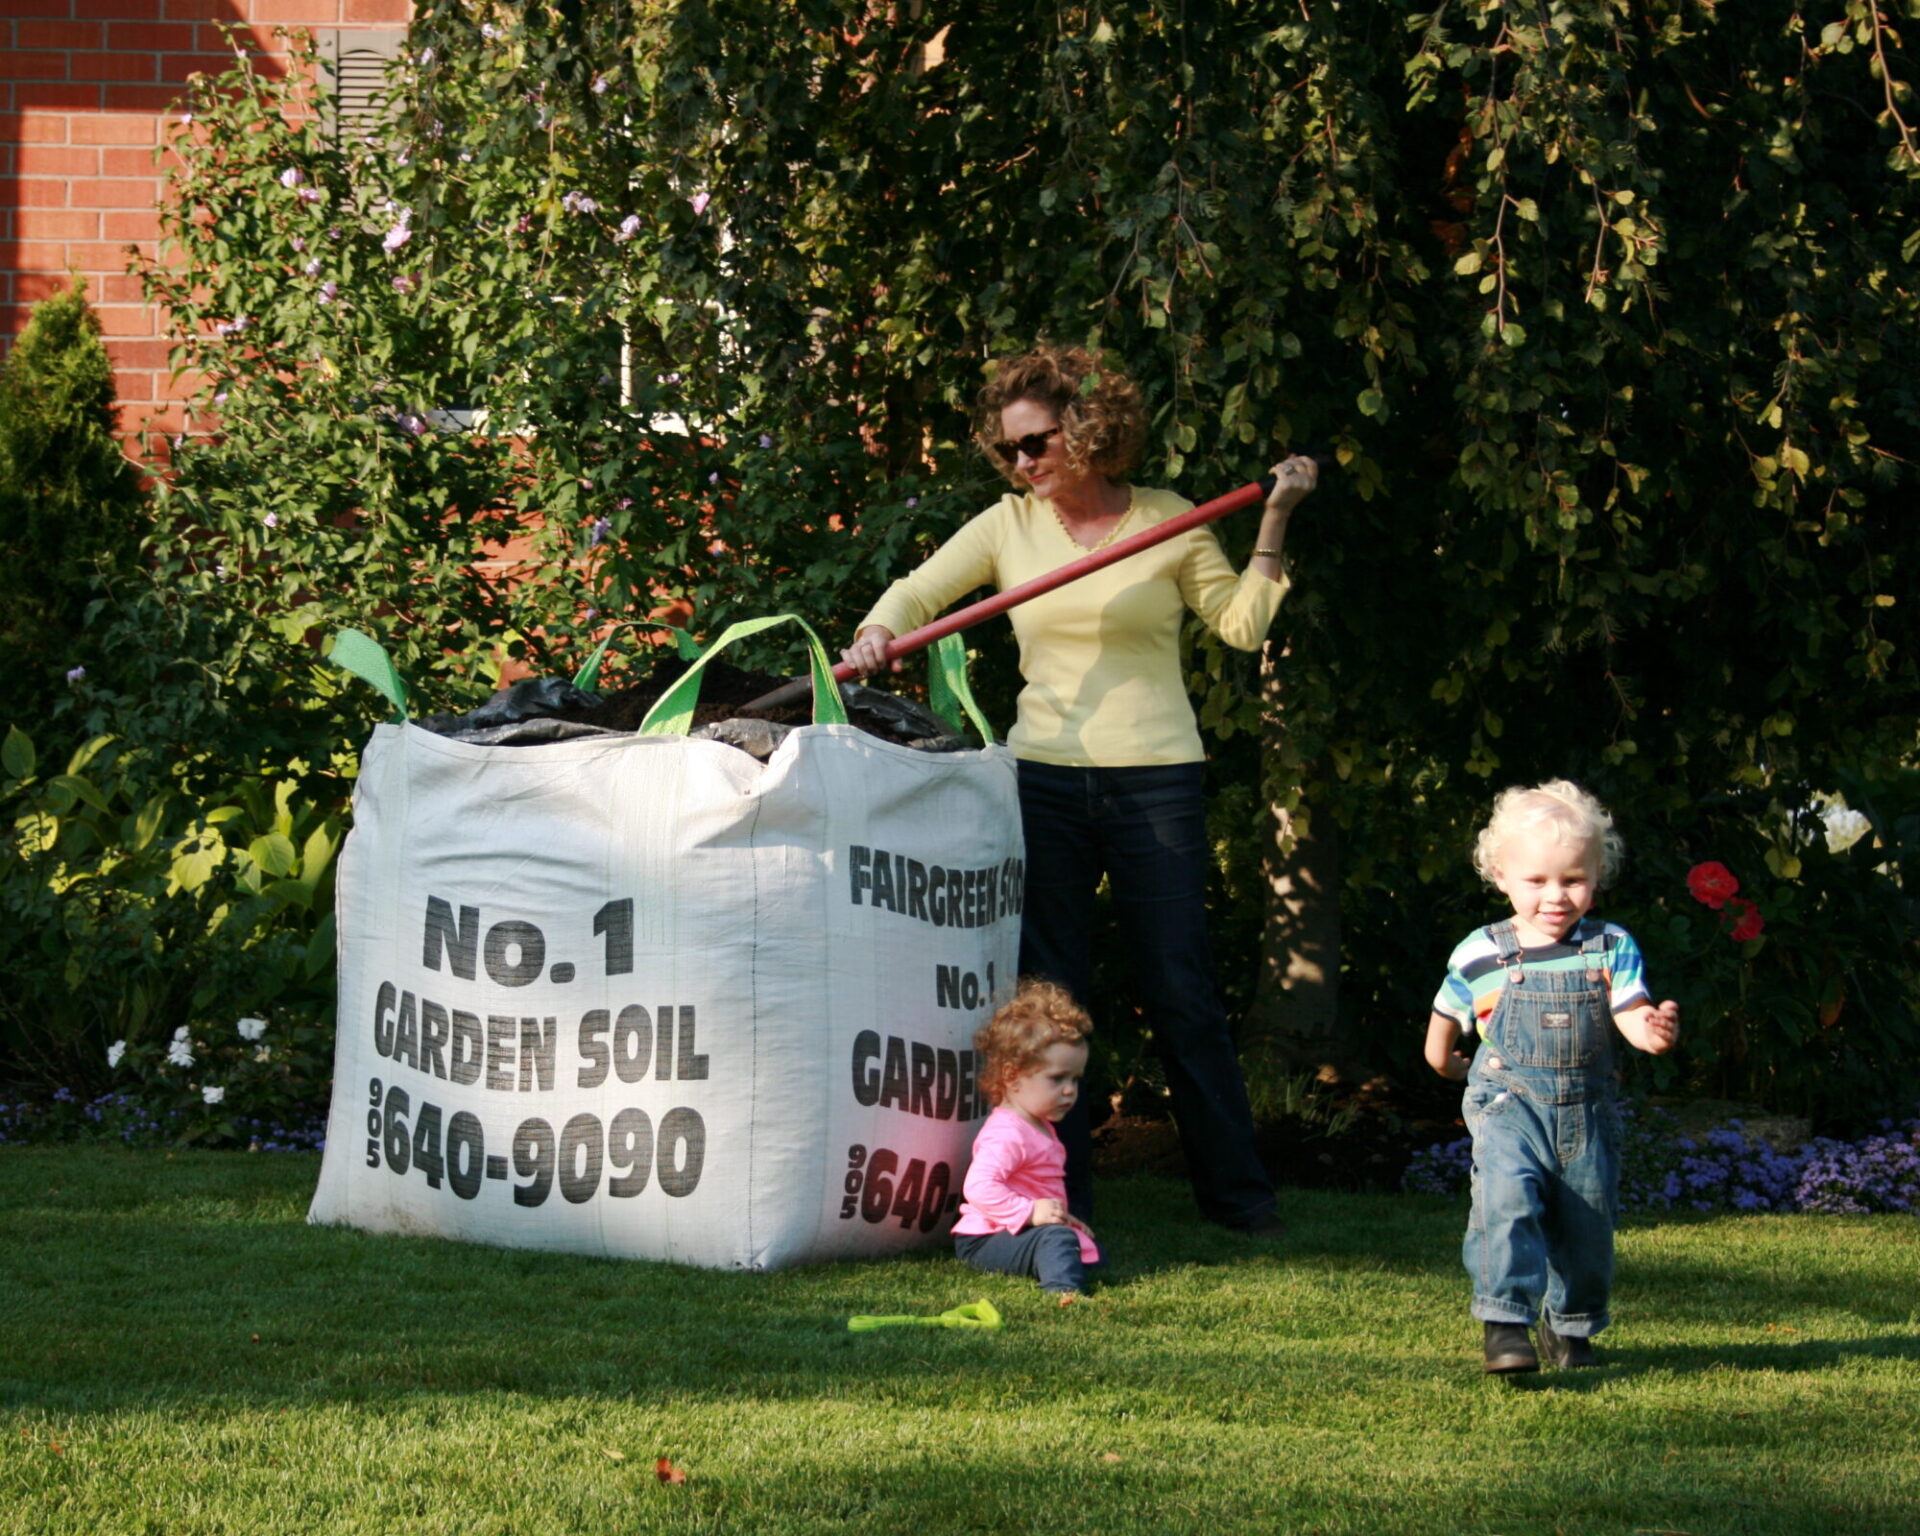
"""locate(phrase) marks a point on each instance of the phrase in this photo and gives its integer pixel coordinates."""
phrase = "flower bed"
(1725, 1169)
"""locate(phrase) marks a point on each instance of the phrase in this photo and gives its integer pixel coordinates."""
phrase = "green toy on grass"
(972, 1314)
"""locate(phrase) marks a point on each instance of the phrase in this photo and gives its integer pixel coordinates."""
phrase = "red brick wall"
(86, 87)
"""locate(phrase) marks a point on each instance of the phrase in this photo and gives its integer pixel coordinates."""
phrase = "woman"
(1110, 758)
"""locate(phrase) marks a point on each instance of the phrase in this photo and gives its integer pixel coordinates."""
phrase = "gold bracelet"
(1274, 552)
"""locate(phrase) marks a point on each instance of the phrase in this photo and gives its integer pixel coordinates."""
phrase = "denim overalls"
(1546, 1146)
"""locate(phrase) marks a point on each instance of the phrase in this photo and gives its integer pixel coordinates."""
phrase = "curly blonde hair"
(1102, 419)
(1016, 1039)
(1575, 816)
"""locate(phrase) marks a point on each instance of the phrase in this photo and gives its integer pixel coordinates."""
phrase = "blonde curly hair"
(1575, 816)
(1016, 1039)
(1103, 421)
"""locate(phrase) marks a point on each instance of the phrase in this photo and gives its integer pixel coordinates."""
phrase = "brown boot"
(1565, 1353)
(1509, 1351)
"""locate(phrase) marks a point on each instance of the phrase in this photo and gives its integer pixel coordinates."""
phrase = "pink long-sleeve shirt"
(1014, 1164)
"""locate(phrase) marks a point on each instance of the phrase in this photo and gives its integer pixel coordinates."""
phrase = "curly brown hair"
(1102, 417)
(1040, 1016)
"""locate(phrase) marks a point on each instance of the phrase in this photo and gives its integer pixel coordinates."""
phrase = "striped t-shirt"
(1475, 977)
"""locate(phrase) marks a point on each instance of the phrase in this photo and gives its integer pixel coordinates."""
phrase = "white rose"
(1845, 827)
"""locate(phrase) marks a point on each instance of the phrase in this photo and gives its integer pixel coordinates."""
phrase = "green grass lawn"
(180, 1353)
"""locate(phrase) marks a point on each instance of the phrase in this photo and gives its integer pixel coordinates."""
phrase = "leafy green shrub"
(1602, 328)
(137, 912)
(71, 507)
(1789, 930)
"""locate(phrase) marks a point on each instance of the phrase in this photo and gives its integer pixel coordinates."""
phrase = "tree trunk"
(1294, 1021)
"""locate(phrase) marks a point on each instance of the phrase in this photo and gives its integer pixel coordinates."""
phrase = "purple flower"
(522, 224)
(913, 501)
(413, 425)
(578, 202)
(74, 674)
(765, 441)
(312, 268)
(699, 200)
(599, 85)
(402, 283)
(233, 327)
(425, 56)
(291, 177)
(327, 292)
(334, 233)
(298, 244)
(489, 31)
(714, 478)
(272, 519)
(399, 235)
(623, 503)
(309, 194)
(219, 397)
(629, 227)
(601, 527)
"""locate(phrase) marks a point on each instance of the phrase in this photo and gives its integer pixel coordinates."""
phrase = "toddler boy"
(1540, 988)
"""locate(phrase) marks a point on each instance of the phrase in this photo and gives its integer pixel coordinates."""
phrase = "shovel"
(963, 618)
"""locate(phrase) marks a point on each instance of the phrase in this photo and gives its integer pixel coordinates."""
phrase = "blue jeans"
(1145, 829)
(1546, 1151)
(1050, 1254)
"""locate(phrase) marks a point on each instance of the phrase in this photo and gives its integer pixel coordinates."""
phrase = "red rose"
(1749, 922)
(1711, 884)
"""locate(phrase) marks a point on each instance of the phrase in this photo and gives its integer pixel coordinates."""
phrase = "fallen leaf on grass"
(614, 1455)
(1109, 1456)
(667, 1472)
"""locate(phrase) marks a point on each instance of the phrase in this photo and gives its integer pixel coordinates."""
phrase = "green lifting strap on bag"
(947, 686)
(684, 646)
(972, 1314)
(365, 658)
(672, 713)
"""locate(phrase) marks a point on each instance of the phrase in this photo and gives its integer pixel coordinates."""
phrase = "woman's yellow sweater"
(1101, 655)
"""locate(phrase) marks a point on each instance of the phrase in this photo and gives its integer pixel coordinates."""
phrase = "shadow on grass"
(1624, 1363)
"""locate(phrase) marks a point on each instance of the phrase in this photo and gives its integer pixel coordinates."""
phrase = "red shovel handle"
(963, 618)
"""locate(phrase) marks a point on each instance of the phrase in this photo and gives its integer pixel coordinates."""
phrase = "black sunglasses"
(1032, 445)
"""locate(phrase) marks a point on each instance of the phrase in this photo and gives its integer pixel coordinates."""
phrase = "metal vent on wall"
(358, 58)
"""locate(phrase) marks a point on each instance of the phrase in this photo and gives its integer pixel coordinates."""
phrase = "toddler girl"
(1014, 1220)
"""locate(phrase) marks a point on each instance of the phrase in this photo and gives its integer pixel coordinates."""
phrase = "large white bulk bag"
(644, 996)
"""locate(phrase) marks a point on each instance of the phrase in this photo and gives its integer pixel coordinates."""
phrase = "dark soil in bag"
(543, 709)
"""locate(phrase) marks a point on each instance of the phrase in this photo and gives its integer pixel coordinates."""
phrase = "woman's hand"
(1293, 481)
(868, 653)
